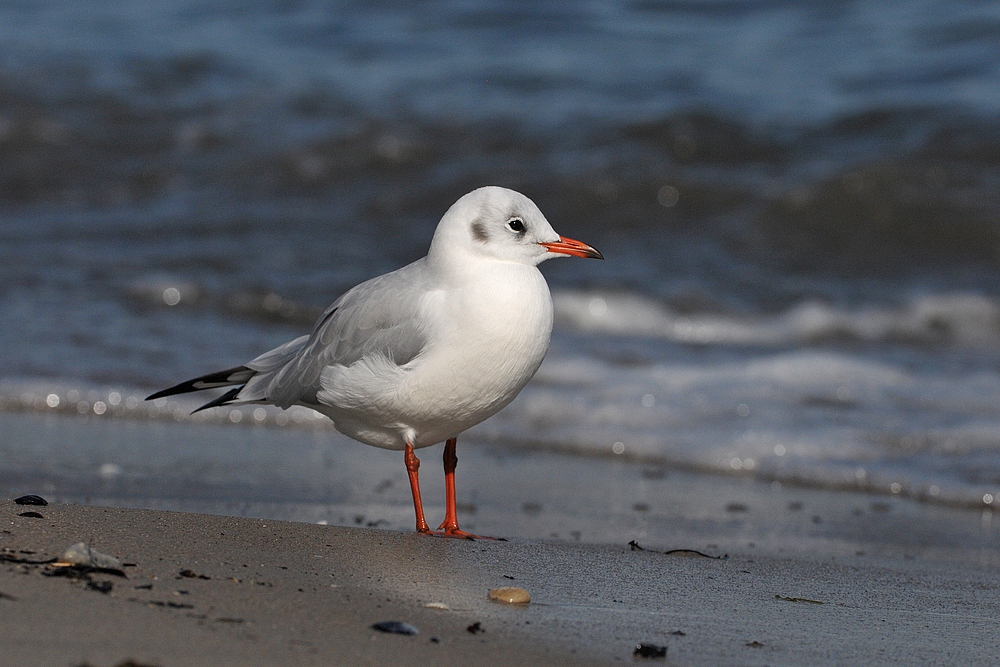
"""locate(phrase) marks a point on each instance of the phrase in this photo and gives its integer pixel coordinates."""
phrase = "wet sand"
(203, 589)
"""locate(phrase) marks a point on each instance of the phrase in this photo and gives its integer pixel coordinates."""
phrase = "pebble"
(100, 586)
(650, 651)
(395, 628)
(510, 595)
(31, 499)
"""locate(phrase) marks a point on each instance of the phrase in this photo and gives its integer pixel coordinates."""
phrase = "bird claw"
(457, 533)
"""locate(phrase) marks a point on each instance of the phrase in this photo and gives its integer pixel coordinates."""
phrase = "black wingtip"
(221, 400)
(231, 376)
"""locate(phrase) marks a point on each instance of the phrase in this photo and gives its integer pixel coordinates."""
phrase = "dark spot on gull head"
(479, 232)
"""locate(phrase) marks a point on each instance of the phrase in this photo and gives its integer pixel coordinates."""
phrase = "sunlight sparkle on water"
(171, 296)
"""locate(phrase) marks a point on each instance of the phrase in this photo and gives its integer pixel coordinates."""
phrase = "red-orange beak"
(565, 246)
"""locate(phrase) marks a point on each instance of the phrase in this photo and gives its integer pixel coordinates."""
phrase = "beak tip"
(568, 246)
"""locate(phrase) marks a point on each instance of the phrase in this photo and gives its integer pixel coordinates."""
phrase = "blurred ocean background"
(798, 202)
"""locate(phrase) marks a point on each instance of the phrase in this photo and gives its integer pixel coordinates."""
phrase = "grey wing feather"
(376, 317)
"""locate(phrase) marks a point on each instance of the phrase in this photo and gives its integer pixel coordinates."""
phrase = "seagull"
(417, 356)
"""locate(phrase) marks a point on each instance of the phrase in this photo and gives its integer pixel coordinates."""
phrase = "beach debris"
(5, 596)
(690, 553)
(437, 605)
(169, 603)
(679, 633)
(755, 644)
(80, 560)
(129, 662)
(100, 586)
(787, 599)
(654, 651)
(693, 553)
(82, 554)
(395, 628)
(31, 499)
(6, 556)
(475, 628)
(191, 574)
(510, 595)
(31, 515)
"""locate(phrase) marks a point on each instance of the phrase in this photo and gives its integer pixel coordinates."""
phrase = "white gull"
(416, 356)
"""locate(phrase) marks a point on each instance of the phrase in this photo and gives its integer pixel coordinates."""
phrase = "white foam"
(963, 319)
(816, 416)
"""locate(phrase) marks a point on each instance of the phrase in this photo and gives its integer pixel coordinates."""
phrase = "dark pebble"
(31, 499)
(100, 586)
(191, 574)
(395, 628)
(475, 628)
(31, 515)
(650, 651)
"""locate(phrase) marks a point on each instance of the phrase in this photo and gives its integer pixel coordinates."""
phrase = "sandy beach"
(215, 590)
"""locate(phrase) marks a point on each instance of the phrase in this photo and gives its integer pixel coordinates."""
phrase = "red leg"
(412, 466)
(450, 523)
(449, 528)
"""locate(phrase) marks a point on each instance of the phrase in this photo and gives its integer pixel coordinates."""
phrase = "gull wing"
(380, 317)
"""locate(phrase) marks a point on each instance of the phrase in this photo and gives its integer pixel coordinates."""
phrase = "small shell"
(437, 605)
(510, 595)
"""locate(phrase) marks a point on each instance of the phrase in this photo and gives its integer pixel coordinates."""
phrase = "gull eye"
(515, 225)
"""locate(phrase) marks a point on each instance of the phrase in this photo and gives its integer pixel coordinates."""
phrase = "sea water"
(797, 203)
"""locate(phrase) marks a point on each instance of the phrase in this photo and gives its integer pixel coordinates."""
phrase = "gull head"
(502, 224)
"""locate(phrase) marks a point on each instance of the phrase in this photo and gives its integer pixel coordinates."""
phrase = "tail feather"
(227, 378)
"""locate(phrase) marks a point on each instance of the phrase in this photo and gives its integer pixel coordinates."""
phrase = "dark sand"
(280, 593)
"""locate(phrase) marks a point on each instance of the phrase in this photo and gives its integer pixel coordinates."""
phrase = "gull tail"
(239, 375)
